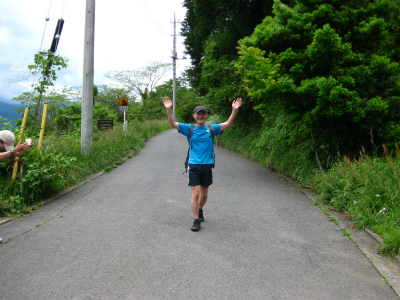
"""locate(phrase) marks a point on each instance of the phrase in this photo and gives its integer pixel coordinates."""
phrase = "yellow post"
(21, 136)
(43, 125)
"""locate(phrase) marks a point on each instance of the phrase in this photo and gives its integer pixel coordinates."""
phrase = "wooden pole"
(21, 136)
(44, 116)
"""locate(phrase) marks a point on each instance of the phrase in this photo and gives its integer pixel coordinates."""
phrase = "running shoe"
(196, 225)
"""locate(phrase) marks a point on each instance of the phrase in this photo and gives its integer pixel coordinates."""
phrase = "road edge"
(368, 242)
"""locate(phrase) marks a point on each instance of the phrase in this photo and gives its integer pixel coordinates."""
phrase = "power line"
(160, 29)
(45, 25)
(174, 58)
(41, 44)
(63, 8)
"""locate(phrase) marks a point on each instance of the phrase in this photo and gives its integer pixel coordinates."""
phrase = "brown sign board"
(105, 124)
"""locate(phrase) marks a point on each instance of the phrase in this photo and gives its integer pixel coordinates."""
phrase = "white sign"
(123, 108)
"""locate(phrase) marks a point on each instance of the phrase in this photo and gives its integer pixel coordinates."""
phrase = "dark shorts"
(200, 175)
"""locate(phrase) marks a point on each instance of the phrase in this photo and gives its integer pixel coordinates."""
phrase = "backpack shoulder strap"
(212, 136)
(211, 130)
(190, 145)
(191, 131)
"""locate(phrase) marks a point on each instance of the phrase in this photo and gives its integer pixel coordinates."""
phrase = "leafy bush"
(44, 174)
(39, 176)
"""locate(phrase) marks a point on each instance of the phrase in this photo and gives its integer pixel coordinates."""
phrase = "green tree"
(220, 81)
(310, 62)
(109, 96)
(186, 100)
(55, 100)
(225, 21)
(45, 65)
(68, 118)
(102, 112)
(359, 22)
(141, 82)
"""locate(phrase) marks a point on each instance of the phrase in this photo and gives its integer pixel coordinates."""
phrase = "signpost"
(105, 124)
(123, 105)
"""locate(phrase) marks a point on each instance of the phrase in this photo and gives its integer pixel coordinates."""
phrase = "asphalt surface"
(126, 235)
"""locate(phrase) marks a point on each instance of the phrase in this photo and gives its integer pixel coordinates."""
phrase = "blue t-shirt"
(201, 150)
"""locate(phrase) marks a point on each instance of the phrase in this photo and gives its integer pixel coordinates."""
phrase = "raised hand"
(237, 103)
(167, 102)
(20, 149)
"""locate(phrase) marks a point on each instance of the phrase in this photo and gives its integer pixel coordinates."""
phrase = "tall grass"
(368, 189)
(60, 164)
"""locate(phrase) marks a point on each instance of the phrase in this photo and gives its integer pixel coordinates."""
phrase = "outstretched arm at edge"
(19, 150)
(235, 106)
(168, 106)
(4, 155)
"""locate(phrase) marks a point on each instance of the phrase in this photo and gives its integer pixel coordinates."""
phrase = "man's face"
(200, 117)
(2, 145)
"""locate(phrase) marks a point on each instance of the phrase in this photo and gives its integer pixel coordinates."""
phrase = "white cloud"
(128, 35)
(5, 35)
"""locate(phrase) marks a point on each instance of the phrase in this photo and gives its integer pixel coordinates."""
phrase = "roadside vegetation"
(59, 163)
(320, 83)
(368, 189)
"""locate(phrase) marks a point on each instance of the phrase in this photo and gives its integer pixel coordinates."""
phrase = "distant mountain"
(8, 111)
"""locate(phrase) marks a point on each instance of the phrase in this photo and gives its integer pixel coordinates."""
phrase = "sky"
(128, 36)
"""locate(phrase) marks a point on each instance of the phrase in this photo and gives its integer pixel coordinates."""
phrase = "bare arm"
(4, 155)
(19, 150)
(168, 106)
(235, 106)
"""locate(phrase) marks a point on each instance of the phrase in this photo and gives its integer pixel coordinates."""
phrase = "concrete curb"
(4, 220)
(375, 236)
(380, 240)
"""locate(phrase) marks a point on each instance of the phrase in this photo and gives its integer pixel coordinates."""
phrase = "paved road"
(126, 235)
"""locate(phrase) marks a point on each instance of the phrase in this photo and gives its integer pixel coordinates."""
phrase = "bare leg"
(203, 196)
(199, 194)
(195, 201)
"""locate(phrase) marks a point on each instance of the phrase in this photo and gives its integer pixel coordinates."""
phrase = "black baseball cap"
(199, 108)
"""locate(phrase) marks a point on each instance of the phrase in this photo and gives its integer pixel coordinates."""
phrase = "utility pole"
(174, 58)
(87, 87)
